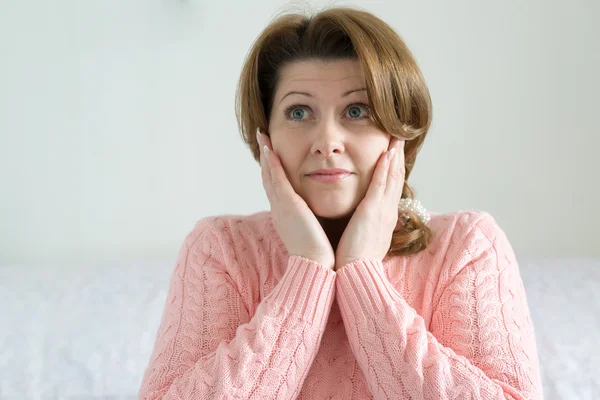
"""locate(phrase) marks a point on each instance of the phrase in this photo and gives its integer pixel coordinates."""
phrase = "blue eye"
(355, 109)
(297, 113)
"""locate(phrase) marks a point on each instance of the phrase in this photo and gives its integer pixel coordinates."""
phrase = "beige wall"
(117, 129)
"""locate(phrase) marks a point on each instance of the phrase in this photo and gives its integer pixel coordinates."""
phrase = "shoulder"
(467, 236)
(457, 226)
(460, 222)
(228, 226)
(229, 238)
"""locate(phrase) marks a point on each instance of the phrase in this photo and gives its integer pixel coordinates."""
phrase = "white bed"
(564, 299)
(86, 331)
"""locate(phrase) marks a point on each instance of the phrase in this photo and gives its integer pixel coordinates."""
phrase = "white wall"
(117, 126)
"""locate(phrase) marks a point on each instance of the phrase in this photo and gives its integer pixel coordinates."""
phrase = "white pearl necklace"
(416, 207)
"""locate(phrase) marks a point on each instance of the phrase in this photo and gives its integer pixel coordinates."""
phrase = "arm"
(208, 346)
(481, 344)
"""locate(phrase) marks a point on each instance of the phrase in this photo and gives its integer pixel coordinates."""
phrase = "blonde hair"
(399, 98)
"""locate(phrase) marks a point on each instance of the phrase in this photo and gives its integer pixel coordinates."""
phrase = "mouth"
(329, 177)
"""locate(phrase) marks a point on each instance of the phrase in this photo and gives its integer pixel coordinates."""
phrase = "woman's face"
(320, 120)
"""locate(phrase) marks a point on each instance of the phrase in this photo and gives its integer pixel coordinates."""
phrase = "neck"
(334, 228)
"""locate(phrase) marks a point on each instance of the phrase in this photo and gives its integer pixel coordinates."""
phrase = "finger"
(395, 178)
(378, 183)
(279, 183)
(264, 166)
(279, 180)
(266, 140)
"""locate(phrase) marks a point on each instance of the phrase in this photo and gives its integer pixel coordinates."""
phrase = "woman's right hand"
(294, 221)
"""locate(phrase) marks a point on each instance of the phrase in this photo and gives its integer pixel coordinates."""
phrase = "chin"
(330, 209)
(332, 204)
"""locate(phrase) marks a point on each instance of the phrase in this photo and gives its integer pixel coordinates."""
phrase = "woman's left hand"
(369, 231)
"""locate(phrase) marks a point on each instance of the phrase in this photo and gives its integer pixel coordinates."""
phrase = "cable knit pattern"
(243, 319)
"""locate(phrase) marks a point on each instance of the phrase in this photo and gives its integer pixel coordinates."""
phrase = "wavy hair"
(399, 98)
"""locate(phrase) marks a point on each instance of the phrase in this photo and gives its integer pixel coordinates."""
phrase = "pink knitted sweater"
(244, 319)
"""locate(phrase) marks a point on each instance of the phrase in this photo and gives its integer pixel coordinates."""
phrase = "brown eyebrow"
(310, 95)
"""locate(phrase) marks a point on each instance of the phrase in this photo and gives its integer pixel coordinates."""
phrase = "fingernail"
(258, 135)
(391, 153)
(266, 149)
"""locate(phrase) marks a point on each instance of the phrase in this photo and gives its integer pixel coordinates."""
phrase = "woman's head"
(331, 90)
(320, 119)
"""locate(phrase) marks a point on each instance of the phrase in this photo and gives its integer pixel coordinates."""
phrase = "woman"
(348, 288)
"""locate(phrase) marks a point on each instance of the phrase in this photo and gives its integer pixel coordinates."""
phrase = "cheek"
(289, 147)
(370, 147)
(291, 160)
(366, 162)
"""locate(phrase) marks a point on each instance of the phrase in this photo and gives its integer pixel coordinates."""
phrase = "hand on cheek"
(369, 232)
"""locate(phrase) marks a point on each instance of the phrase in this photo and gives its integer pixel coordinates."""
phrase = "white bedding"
(86, 332)
(564, 299)
(81, 332)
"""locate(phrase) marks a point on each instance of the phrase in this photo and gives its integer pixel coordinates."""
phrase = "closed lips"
(334, 171)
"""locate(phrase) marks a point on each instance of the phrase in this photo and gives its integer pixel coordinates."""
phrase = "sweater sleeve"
(209, 347)
(481, 344)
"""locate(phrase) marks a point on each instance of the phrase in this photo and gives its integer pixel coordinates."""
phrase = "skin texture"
(328, 127)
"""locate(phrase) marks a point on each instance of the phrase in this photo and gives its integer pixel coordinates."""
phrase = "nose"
(328, 141)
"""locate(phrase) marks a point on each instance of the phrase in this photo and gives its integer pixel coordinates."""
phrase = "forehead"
(320, 75)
